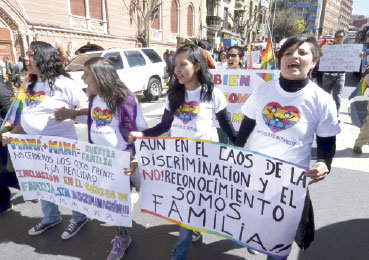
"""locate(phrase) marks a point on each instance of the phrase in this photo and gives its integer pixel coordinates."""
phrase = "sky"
(361, 7)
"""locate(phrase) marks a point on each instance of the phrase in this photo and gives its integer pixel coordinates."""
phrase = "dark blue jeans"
(7, 179)
(333, 84)
(183, 244)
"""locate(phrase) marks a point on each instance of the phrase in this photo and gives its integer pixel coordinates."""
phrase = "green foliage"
(299, 26)
(287, 24)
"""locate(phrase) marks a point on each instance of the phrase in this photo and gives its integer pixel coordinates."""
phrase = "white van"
(141, 69)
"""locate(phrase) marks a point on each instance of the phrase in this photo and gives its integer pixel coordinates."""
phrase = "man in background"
(204, 45)
(334, 81)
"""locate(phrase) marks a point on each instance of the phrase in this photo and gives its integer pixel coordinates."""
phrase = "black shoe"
(41, 227)
(73, 228)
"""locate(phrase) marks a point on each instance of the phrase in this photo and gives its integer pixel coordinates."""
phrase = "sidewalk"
(345, 158)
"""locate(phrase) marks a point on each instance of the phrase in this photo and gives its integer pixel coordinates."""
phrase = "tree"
(244, 20)
(287, 24)
(142, 12)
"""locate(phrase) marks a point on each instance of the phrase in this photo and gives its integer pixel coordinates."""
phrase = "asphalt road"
(340, 205)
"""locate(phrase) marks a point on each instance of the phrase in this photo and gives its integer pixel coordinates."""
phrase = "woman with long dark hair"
(111, 100)
(49, 88)
(191, 102)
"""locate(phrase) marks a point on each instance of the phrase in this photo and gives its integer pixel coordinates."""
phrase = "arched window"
(190, 20)
(174, 17)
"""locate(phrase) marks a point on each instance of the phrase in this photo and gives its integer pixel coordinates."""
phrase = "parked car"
(141, 69)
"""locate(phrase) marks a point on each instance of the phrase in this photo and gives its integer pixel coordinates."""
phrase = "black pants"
(7, 179)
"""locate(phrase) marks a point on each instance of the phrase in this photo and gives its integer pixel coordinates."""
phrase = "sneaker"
(73, 228)
(253, 252)
(196, 236)
(41, 227)
(9, 208)
(357, 150)
(120, 245)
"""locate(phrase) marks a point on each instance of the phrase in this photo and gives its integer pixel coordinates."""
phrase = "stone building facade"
(92, 24)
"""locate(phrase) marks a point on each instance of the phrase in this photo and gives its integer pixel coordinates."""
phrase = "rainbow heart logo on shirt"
(280, 118)
(188, 111)
(33, 99)
(102, 117)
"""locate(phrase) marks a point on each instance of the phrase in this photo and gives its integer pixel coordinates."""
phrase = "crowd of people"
(313, 109)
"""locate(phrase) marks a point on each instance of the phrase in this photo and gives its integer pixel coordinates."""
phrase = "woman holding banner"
(191, 102)
(284, 115)
(49, 87)
(113, 112)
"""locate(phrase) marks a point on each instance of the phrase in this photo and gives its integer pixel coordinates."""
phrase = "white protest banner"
(253, 199)
(77, 175)
(237, 86)
(340, 57)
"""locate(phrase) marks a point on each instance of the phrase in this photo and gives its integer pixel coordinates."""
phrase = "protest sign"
(253, 199)
(237, 86)
(255, 56)
(77, 175)
(340, 57)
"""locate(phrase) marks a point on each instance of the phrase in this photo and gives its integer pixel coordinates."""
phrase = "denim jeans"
(334, 85)
(183, 244)
(52, 213)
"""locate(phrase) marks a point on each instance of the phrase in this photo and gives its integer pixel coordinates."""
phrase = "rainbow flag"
(221, 47)
(12, 118)
(267, 58)
(360, 88)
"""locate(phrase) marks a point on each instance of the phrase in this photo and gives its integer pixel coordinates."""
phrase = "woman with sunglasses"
(235, 58)
(234, 62)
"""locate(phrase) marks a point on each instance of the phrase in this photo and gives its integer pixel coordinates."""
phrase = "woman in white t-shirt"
(191, 102)
(49, 88)
(113, 112)
(283, 116)
(234, 58)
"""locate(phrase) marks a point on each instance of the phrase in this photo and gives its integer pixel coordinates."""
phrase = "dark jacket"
(5, 96)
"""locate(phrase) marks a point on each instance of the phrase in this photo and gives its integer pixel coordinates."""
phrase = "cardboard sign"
(238, 194)
(341, 57)
(77, 175)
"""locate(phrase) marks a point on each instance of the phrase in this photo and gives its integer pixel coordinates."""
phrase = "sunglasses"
(340, 36)
(231, 55)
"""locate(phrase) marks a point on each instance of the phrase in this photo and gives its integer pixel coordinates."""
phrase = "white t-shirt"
(38, 109)
(286, 122)
(220, 65)
(195, 118)
(105, 125)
